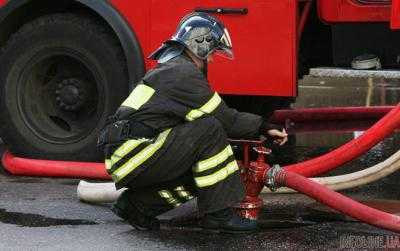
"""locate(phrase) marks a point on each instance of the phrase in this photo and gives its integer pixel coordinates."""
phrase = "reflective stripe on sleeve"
(213, 161)
(141, 157)
(209, 180)
(139, 96)
(208, 107)
(167, 195)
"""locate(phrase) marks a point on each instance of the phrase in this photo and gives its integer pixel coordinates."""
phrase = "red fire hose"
(338, 202)
(322, 164)
(350, 150)
(50, 168)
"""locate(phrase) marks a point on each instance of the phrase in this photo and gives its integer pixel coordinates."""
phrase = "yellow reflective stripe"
(194, 114)
(174, 202)
(108, 164)
(141, 157)
(169, 198)
(125, 148)
(211, 179)
(208, 107)
(139, 96)
(165, 194)
(183, 193)
(213, 161)
(180, 188)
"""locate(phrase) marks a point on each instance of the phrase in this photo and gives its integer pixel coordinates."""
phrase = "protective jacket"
(175, 147)
(177, 92)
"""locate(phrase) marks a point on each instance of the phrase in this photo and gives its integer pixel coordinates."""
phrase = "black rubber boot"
(126, 210)
(227, 221)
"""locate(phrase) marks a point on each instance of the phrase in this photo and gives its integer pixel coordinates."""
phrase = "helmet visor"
(224, 48)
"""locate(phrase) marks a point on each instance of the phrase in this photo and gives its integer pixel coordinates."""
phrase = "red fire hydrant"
(254, 174)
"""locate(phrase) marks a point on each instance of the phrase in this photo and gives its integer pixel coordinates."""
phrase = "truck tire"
(61, 76)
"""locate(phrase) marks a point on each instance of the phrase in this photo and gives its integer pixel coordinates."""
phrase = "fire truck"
(66, 65)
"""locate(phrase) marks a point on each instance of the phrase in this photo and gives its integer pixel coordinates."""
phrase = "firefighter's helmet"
(200, 33)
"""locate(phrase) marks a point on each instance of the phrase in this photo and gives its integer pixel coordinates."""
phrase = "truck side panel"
(332, 11)
(264, 43)
(395, 19)
(138, 17)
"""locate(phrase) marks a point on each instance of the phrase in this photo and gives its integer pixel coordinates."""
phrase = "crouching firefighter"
(168, 141)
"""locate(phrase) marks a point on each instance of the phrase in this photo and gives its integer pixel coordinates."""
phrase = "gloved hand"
(277, 134)
(278, 137)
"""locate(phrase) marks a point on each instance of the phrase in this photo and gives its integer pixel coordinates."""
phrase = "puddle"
(287, 217)
(389, 206)
(36, 220)
(26, 180)
(298, 218)
(266, 221)
(283, 223)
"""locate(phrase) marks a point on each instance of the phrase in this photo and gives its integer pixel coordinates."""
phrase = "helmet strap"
(205, 68)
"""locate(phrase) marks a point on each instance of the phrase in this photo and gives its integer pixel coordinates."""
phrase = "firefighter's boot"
(134, 215)
(227, 221)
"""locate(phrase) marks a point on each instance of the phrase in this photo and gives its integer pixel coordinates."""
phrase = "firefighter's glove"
(114, 133)
(274, 133)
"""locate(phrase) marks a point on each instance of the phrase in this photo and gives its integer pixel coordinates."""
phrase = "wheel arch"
(18, 12)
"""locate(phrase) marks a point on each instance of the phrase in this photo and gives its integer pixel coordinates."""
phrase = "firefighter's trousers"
(196, 161)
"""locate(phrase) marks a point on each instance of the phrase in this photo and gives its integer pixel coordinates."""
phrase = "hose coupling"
(271, 180)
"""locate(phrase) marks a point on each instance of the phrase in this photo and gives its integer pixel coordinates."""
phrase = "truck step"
(351, 73)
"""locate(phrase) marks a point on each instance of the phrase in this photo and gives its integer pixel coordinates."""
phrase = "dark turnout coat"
(191, 124)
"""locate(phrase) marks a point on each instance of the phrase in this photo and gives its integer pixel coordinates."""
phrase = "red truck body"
(275, 42)
(264, 45)
(265, 40)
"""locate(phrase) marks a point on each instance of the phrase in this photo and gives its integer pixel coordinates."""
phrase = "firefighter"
(167, 143)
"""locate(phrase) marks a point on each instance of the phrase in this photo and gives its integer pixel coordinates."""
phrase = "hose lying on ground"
(313, 167)
(106, 192)
(52, 168)
(338, 202)
(356, 179)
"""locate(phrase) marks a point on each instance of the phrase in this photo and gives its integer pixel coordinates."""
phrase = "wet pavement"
(45, 214)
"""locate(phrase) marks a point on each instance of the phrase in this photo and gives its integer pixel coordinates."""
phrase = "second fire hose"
(356, 179)
(337, 201)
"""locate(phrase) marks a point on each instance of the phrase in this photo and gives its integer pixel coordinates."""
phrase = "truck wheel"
(61, 76)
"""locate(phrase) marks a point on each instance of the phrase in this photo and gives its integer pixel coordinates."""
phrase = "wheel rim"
(58, 96)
